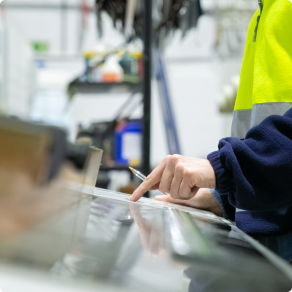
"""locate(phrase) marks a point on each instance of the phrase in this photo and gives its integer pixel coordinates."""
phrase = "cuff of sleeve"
(222, 199)
(223, 177)
(218, 198)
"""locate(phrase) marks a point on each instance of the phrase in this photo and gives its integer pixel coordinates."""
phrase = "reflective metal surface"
(109, 243)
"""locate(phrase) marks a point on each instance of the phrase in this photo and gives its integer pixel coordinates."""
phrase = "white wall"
(47, 25)
(196, 77)
(195, 88)
(18, 74)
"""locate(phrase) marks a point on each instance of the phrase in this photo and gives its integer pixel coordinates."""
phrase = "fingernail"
(158, 198)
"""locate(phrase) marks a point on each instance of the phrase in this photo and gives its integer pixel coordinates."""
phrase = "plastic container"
(112, 71)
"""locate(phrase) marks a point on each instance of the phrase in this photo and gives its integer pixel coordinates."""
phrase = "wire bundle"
(168, 15)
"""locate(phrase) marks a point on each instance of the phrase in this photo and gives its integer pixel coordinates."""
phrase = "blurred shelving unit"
(77, 86)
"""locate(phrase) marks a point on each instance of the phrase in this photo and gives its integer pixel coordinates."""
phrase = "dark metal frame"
(147, 57)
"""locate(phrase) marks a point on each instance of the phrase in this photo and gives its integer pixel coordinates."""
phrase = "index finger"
(152, 179)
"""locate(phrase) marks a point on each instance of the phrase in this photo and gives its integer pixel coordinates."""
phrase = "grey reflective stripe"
(240, 123)
(261, 111)
(243, 120)
(239, 210)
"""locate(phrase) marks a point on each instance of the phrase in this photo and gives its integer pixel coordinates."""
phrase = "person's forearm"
(257, 171)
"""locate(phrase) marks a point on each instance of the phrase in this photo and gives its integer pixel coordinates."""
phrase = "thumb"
(169, 199)
(166, 198)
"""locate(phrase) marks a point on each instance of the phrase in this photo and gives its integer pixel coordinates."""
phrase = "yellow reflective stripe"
(266, 75)
(245, 90)
(273, 56)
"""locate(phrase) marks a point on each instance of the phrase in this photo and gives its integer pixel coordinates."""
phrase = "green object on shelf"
(130, 67)
(41, 47)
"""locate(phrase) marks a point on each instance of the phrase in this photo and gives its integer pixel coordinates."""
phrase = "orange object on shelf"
(111, 77)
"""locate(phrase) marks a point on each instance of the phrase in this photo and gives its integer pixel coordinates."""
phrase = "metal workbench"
(102, 242)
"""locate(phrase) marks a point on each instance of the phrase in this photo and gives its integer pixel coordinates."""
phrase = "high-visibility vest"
(266, 76)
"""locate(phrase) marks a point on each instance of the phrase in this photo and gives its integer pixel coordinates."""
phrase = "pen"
(140, 175)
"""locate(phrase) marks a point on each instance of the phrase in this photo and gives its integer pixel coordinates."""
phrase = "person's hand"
(203, 200)
(179, 176)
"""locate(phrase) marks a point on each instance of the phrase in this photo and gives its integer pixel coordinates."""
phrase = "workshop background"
(47, 45)
(90, 88)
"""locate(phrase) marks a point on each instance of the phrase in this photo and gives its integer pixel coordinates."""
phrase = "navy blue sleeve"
(257, 171)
